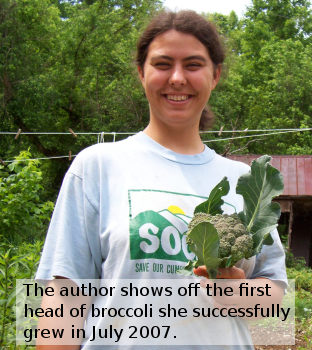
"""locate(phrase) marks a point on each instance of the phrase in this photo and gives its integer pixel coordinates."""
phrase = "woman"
(123, 207)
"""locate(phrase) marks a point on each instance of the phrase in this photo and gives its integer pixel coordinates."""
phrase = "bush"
(303, 304)
(23, 213)
(15, 263)
(303, 278)
(295, 262)
(303, 281)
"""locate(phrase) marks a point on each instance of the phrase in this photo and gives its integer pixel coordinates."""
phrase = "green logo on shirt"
(159, 234)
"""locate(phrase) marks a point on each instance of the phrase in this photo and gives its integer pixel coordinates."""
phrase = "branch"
(72, 115)
(34, 138)
(244, 147)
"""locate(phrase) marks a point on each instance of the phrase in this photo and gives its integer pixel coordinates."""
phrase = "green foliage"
(203, 239)
(258, 188)
(298, 271)
(303, 282)
(303, 277)
(267, 80)
(213, 204)
(220, 240)
(68, 64)
(22, 213)
(303, 304)
(292, 261)
(15, 262)
(284, 19)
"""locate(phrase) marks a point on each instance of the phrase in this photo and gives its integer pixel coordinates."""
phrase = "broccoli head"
(236, 242)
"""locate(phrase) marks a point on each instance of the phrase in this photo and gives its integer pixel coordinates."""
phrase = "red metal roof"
(296, 170)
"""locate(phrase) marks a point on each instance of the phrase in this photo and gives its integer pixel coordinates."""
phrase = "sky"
(221, 6)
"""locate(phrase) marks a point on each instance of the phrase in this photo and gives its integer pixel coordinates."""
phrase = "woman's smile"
(177, 97)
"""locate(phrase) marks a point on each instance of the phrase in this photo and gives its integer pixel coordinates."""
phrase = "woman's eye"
(162, 65)
(193, 65)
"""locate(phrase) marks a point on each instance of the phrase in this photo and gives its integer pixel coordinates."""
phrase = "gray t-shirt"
(124, 206)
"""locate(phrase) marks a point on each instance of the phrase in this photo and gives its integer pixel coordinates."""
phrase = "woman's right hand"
(223, 273)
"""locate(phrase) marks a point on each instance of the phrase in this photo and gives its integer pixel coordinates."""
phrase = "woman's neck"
(183, 140)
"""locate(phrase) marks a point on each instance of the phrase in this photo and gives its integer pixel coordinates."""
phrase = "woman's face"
(178, 77)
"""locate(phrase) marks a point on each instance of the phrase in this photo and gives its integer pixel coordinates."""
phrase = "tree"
(29, 39)
(268, 78)
(283, 99)
(285, 19)
(68, 64)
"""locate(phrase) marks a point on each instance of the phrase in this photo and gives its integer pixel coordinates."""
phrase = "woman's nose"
(177, 77)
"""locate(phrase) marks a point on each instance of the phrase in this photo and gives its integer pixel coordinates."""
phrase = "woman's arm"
(66, 322)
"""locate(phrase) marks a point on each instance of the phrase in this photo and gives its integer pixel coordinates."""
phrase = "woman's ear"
(217, 75)
(141, 74)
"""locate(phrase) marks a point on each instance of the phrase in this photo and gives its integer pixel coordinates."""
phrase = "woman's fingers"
(201, 271)
(225, 273)
(231, 273)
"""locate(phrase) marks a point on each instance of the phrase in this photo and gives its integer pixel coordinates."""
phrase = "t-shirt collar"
(193, 159)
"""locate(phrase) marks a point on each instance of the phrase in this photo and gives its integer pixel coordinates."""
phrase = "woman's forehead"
(176, 44)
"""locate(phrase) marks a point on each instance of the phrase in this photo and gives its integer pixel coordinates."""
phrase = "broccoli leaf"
(260, 215)
(204, 241)
(214, 202)
(188, 268)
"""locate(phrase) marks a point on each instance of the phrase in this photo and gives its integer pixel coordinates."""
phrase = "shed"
(295, 201)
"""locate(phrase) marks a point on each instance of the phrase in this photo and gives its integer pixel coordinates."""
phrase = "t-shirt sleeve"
(72, 247)
(270, 262)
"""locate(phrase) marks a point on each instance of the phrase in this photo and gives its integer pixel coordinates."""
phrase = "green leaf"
(268, 240)
(228, 262)
(204, 241)
(260, 215)
(214, 202)
(188, 268)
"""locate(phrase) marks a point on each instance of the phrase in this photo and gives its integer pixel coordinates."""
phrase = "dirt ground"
(299, 342)
(278, 347)
(271, 335)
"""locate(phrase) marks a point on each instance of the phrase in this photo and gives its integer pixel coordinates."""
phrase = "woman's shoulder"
(101, 150)
(92, 157)
(231, 164)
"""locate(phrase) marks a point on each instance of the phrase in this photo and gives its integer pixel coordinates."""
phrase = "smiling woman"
(124, 207)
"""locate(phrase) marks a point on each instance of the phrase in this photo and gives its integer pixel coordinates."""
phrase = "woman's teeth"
(177, 97)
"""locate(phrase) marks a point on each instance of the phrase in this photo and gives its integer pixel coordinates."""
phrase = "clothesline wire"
(101, 139)
(255, 130)
(248, 136)
(64, 133)
(41, 158)
(132, 133)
